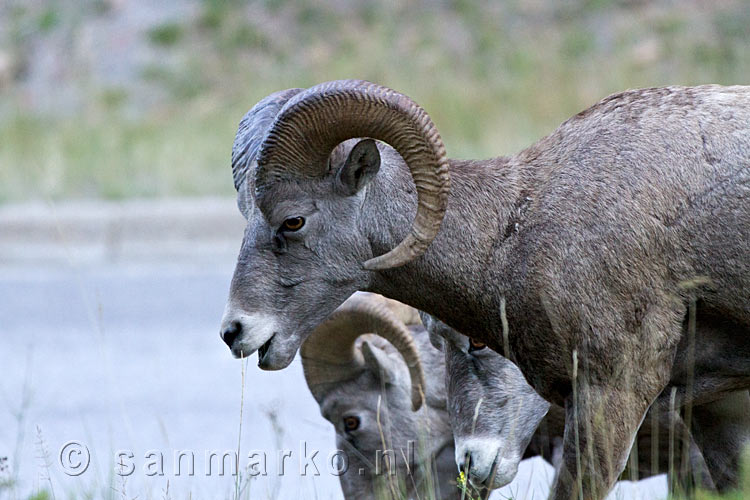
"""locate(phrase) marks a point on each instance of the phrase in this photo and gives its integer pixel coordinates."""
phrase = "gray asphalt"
(127, 357)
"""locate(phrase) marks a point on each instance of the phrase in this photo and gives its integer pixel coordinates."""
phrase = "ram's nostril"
(231, 332)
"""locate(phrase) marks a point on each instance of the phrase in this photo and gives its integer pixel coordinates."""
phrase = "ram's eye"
(351, 423)
(293, 223)
(475, 345)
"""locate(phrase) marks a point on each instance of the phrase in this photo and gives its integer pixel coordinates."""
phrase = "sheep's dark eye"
(351, 424)
(293, 223)
(475, 345)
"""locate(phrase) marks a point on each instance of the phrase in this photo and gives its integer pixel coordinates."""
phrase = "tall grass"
(743, 493)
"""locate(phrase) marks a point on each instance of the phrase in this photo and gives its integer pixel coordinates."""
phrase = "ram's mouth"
(484, 482)
(263, 350)
(489, 480)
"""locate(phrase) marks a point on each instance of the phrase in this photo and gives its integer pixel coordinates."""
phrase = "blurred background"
(133, 98)
(118, 230)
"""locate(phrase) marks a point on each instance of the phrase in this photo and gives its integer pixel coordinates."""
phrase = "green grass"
(494, 80)
(743, 493)
(467, 491)
(110, 157)
(470, 494)
(166, 35)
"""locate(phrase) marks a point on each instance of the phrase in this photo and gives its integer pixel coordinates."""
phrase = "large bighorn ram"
(580, 254)
(362, 365)
(497, 419)
(362, 384)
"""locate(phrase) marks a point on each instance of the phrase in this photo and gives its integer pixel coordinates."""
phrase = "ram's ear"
(378, 362)
(432, 326)
(244, 200)
(359, 168)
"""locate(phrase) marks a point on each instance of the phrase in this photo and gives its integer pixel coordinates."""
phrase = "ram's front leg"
(600, 425)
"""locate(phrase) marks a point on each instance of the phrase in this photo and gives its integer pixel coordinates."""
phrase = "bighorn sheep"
(359, 365)
(580, 253)
(349, 365)
(497, 419)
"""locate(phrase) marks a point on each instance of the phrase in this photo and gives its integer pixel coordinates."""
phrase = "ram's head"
(310, 178)
(494, 412)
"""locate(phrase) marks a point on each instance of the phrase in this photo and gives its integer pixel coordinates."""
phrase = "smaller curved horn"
(329, 354)
(406, 314)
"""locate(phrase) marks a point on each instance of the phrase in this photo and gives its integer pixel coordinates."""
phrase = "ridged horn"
(329, 355)
(315, 121)
(406, 314)
(252, 130)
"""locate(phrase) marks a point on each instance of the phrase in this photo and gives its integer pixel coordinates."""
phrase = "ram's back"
(647, 188)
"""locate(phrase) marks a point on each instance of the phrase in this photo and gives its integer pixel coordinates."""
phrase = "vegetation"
(742, 494)
(494, 77)
(467, 490)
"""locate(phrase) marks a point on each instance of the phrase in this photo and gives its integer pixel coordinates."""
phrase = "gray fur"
(493, 412)
(514, 425)
(595, 238)
(383, 386)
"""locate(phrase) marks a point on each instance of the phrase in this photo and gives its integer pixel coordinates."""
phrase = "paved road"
(127, 357)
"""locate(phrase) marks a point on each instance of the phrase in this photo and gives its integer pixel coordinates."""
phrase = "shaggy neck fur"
(452, 279)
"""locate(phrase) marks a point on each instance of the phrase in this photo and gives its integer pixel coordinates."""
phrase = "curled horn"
(329, 355)
(315, 121)
(404, 313)
(251, 132)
